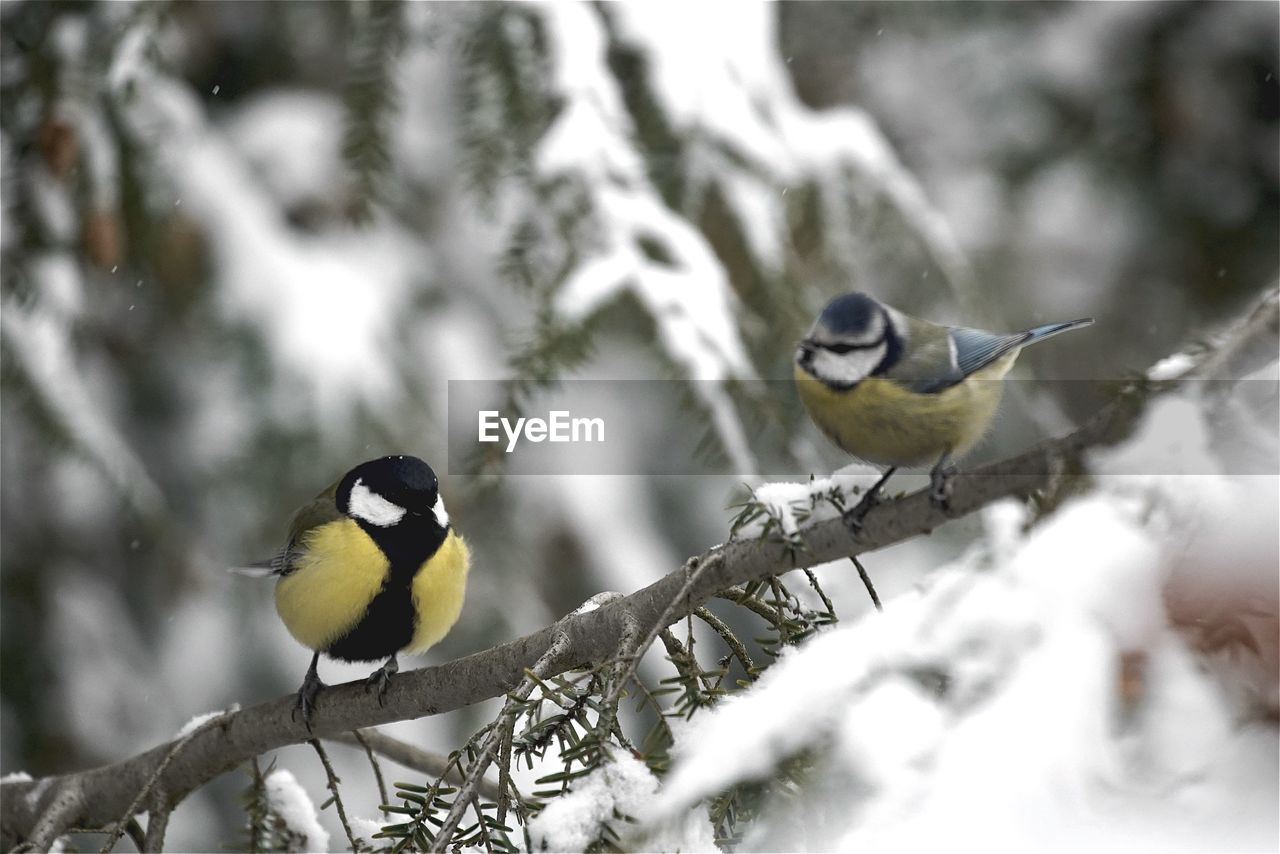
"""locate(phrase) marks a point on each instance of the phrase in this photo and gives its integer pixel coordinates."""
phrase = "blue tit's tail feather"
(1040, 333)
(1050, 329)
(975, 349)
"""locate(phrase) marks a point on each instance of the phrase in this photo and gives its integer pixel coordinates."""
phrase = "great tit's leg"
(381, 679)
(311, 685)
(854, 515)
(940, 482)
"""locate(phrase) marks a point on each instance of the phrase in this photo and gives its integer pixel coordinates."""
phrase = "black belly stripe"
(390, 620)
(386, 627)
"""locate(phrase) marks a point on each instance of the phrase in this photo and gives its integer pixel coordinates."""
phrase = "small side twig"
(414, 757)
(866, 580)
(731, 640)
(822, 594)
(335, 794)
(693, 568)
(114, 836)
(373, 762)
(158, 810)
(504, 776)
(766, 612)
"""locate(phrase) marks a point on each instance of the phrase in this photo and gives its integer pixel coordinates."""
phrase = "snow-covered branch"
(40, 810)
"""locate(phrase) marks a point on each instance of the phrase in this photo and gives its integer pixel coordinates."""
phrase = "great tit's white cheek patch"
(369, 506)
(846, 368)
(442, 515)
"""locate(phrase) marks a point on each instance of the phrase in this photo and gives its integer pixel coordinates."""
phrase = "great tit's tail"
(1041, 333)
(259, 569)
(282, 563)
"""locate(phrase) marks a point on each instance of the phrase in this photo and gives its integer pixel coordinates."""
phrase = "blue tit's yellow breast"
(438, 592)
(339, 571)
(884, 422)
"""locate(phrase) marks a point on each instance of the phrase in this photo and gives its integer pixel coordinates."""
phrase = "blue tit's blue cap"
(850, 313)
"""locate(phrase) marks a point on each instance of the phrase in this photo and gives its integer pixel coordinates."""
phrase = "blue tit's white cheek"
(442, 515)
(368, 506)
(846, 368)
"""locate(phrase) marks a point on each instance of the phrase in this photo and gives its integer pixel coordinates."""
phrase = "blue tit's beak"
(805, 350)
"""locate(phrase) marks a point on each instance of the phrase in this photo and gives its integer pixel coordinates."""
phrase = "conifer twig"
(335, 794)
(462, 800)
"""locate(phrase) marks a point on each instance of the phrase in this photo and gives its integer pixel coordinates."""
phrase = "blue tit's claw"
(853, 516)
(940, 489)
(380, 679)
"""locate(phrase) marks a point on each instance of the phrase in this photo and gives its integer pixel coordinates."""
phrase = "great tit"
(895, 390)
(372, 568)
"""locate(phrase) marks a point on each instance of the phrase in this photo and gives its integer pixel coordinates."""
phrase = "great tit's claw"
(306, 701)
(381, 679)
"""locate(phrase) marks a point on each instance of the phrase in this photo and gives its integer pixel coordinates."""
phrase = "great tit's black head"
(386, 491)
(854, 337)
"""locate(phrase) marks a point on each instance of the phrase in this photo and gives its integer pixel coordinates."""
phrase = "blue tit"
(895, 390)
(372, 568)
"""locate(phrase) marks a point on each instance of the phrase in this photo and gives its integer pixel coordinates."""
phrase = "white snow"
(623, 786)
(200, 720)
(16, 777)
(1171, 367)
(720, 79)
(326, 303)
(365, 829)
(290, 802)
(788, 501)
(1072, 713)
(687, 294)
(41, 344)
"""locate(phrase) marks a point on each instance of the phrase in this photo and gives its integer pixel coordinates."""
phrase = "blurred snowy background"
(246, 245)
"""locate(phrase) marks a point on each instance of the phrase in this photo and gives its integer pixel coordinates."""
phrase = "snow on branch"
(98, 797)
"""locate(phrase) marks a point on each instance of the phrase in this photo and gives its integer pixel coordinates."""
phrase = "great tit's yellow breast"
(883, 422)
(338, 572)
(438, 591)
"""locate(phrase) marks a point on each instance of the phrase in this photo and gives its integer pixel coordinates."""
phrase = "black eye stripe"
(843, 348)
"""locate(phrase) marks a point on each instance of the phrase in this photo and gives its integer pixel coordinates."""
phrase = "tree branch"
(40, 810)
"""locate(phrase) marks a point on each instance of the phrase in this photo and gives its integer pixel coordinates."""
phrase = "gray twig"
(334, 792)
(373, 761)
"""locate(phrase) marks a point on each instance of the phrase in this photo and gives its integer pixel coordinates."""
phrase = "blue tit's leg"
(311, 685)
(381, 679)
(940, 482)
(854, 515)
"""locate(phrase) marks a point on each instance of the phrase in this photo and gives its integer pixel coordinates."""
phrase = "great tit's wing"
(316, 512)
